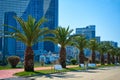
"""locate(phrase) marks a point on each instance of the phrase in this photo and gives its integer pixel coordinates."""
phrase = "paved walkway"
(9, 73)
(110, 73)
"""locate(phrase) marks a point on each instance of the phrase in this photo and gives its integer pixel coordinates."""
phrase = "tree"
(93, 45)
(81, 43)
(117, 55)
(102, 51)
(31, 34)
(113, 53)
(63, 38)
(108, 46)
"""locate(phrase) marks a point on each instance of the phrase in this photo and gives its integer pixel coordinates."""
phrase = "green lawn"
(43, 72)
(5, 67)
(9, 67)
(110, 65)
(37, 64)
(20, 65)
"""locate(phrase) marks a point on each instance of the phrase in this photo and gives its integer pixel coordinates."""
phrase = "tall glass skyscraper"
(9, 43)
(52, 20)
(23, 8)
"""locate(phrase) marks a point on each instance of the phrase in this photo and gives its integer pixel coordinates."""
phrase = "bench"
(58, 67)
(82, 65)
(91, 65)
(87, 66)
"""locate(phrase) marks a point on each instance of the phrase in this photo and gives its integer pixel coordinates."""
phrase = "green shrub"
(97, 61)
(13, 60)
(4, 61)
(73, 61)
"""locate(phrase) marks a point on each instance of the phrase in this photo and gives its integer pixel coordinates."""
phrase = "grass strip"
(44, 72)
(51, 71)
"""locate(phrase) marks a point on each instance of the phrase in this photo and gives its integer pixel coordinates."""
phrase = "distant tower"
(10, 43)
(35, 8)
(88, 31)
(51, 13)
(98, 39)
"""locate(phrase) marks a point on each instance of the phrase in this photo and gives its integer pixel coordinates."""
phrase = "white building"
(49, 57)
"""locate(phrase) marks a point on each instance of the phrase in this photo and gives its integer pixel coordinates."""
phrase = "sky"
(105, 14)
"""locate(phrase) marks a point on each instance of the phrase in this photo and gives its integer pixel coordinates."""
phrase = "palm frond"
(24, 26)
(62, 36)
(80, 42)
(31, 23)
(52, 39)
(31, 32)
(11, 27)
(39, 23)
(20, 37)
(93, 44)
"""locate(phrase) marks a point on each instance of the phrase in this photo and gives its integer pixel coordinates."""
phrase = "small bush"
(42, 63)
(97, 61)
(13, 60)
(73, 61)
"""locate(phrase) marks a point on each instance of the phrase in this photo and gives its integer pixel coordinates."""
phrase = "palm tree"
(31, 34)
(108, 48)
(118, 52)
(93, 45)
(117, 55)
(113, 53)
(102, 51)
(81, 43)
(63, 38)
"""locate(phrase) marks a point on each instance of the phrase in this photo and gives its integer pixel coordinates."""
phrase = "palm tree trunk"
(119, 59)
(108, 58)
(63, 57)
(113, 59)
(93, 56)
(102, 59)
(81, 56)
(29, 59)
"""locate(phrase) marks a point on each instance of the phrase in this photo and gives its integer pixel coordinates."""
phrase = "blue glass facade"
(35, 9)
(23, 8)
(0, 44)
(88, 31)
(52, 15)
(10, 43)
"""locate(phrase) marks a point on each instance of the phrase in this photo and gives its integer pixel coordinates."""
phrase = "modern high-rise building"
(88, 31)
(9, 43)
(23, 8)
(51, 13)
(115, 44)
(98, 39)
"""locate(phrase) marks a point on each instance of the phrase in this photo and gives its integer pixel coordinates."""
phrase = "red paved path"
(9, 73)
